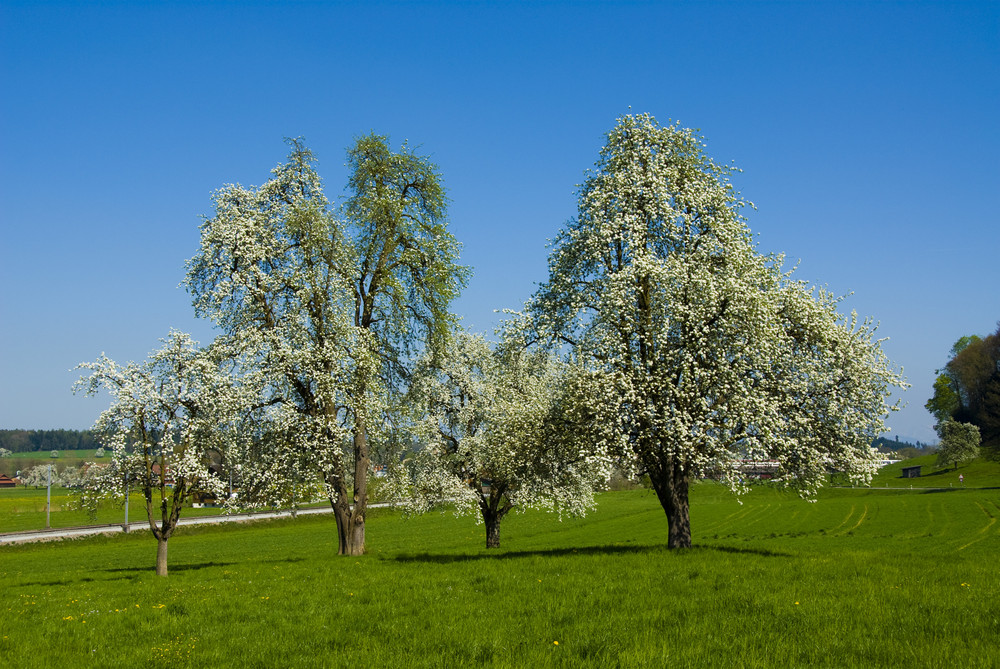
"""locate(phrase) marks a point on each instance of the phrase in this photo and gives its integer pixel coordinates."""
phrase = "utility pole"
(125, 527)
(48, 498)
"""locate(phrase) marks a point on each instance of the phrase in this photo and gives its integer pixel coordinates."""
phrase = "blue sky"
(867, 133)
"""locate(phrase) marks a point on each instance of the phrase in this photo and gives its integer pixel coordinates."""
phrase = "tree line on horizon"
(27, 441)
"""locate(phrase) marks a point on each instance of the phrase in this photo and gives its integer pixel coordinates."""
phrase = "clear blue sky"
(869, 136)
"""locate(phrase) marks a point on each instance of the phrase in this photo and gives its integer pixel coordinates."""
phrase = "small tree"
(959, 443)
(37, 476)
(4, 453)
(169, 416)
(494, 435)
(54, 454)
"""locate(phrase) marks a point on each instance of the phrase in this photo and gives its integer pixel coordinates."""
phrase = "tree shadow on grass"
(195, 566)
(170, 567)
(609, 549)
(127, 573)
(761, 552)
(133, 573)
(929, 491)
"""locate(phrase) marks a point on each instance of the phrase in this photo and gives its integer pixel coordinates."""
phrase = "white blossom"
(710, 352)
(171, 419)
(494, 431)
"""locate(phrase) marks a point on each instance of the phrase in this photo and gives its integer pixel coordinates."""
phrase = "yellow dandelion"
(555, 643)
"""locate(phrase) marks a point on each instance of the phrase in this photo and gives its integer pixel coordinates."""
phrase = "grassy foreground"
(861, 578)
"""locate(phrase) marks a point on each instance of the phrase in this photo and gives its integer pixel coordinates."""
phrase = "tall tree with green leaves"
(331, 306)
(711, 353)
(967, 389)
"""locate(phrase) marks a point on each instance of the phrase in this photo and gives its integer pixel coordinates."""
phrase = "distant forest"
(27, 441)
(902, 449)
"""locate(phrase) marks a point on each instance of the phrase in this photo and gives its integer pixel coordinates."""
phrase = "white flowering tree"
(70, 477)
(329, 309)
(959, 443)
(495, 435)
(4, 453)
(711, 353)
(38, 476)
(170, 419)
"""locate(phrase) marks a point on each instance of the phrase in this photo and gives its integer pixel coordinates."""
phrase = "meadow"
(859, 578)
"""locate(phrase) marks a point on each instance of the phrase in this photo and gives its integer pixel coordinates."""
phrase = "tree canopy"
(170, 419)
(967, 389)
(959, 443)
(711, 353)
(496, 431)
(329, 306)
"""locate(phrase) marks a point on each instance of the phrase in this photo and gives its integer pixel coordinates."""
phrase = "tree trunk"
(492, 529)
(356, 545)
(161, 557)
(494, 508)
(355, 529)
(672, 490)
(350, 516)
(342, 513)
(350, 530)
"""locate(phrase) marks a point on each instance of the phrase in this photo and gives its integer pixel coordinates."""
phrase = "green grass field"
(979, 473)
(860, 578)
(67, 458)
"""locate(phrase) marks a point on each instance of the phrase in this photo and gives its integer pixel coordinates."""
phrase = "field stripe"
(983, 531)
(864, 514)
(844, 521)
(734, 517)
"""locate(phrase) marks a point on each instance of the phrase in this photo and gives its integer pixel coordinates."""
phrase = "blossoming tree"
(959, 443)
(495, 432)
(169, 420)
(329, 309)
(712, 354)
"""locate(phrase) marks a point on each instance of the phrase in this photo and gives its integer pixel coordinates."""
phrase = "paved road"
(70, 532)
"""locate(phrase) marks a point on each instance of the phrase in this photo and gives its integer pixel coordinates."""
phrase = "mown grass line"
(786, 590)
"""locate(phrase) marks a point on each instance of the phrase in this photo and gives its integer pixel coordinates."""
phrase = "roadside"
(88, 530)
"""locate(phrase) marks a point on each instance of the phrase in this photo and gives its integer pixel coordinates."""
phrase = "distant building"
(7, 482)
(758, 469)
(911, 472)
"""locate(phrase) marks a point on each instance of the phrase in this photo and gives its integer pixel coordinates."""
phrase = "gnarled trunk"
(671, 486)
(350, 528)
(492, 530)
(351, 517)
(494, 508)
